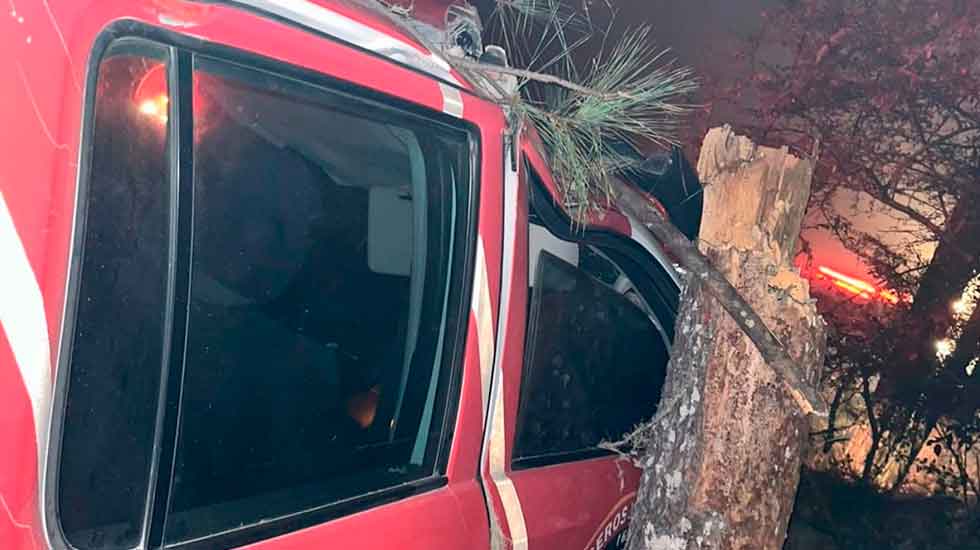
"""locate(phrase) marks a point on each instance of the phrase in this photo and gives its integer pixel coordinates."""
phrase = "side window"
(322, 244)
(314, 345)
(595, 355)
(114, 360)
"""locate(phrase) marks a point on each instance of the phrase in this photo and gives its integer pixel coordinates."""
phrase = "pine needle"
(629, 93)
(637, 98)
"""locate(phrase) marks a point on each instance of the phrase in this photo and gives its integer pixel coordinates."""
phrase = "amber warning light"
(857, 287)
(151, 94)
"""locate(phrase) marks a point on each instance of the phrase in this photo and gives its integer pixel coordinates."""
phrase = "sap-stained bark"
(722, 468)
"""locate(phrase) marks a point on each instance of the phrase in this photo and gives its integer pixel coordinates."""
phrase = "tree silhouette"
(886, 94)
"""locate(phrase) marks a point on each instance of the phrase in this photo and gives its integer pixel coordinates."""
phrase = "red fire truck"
(274, 274)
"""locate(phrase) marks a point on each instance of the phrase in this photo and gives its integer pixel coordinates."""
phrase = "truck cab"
(277, 275)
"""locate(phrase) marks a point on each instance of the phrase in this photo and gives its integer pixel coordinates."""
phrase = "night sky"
(703, 34)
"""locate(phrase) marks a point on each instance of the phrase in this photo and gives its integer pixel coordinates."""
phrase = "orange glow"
(857, 286)
(151, 94)
(852, 289)
(888, 296)
(849, 280)
(363, 407)
(155, 107)
(151, 97)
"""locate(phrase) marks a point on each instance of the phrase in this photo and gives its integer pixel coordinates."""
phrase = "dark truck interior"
(321, 255)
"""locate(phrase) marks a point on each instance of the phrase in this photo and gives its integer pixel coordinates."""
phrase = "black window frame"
(649, 277)
(181, 51)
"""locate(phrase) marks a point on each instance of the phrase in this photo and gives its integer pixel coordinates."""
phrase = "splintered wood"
(722, 471)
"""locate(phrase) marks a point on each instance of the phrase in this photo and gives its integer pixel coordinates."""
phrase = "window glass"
(596, 355)
(115, 354)
(323, 235)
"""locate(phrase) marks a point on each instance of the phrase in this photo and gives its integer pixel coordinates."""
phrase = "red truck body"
(313, 84)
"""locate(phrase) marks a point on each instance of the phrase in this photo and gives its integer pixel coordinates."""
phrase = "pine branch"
(629, 96)
(537, 77)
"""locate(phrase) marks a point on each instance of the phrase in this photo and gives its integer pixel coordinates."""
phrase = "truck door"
(269, 337)
(589, 320)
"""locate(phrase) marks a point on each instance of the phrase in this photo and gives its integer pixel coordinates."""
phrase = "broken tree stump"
(722, 458)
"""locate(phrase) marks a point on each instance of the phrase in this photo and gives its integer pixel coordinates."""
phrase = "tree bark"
(723, 462)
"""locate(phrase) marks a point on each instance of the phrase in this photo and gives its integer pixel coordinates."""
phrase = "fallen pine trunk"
(722, 457)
